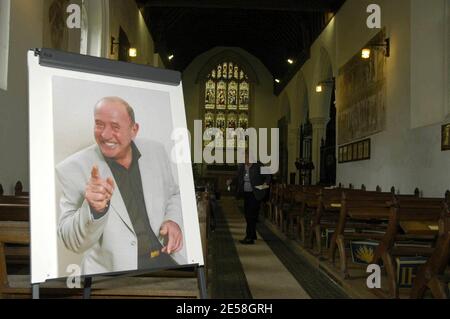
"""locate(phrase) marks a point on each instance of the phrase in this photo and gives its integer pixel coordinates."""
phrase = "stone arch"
(320, 107)
(323, 72)
(231, 56)
(303, 98)
(286, 107)
(98, 27)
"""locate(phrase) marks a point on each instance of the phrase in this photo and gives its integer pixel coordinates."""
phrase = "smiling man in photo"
(120, 206)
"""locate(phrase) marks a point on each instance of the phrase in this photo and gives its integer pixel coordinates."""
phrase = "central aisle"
(267, 277)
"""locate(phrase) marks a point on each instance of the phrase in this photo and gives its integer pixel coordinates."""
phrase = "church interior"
(355, 98)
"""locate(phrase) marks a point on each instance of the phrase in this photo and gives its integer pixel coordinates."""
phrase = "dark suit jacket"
(256, 179)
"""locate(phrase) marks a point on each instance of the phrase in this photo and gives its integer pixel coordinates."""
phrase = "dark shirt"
(129, 184)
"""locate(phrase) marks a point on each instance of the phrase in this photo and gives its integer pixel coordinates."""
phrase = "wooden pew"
(278, 204)
(11, 233)
(18, 190)
(305, 202)
(410, 219)
(287, 205)
(377, 212)
(273, 198)
(416, 219)
(164, 284)
(362, 211)
(326, 215)
(431, 274)
(204, 208)
(15, 209)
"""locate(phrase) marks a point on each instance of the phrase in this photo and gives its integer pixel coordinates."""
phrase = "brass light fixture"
(113, 43)
(321, 84)
(366, 52)
(132, 52)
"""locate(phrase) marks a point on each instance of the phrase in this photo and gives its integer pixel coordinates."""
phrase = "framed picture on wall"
(360, 150)
(355, 152)
(350, 152)
(366, 152)
(445, 137)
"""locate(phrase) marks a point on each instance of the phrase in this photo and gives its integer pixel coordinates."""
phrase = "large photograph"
(119, 201)
(118, 197)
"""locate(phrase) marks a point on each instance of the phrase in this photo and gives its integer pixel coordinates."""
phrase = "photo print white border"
(43, 212)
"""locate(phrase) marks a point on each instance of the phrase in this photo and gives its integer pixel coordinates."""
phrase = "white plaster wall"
(390, 151)
(407, 154)
(25, 33)
(402, 155)
(125, 14)
(427, 55)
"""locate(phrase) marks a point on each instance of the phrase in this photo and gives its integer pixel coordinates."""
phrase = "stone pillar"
(292, 150)
(319, 126)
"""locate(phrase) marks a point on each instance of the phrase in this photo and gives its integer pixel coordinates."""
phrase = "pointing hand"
(99, 191)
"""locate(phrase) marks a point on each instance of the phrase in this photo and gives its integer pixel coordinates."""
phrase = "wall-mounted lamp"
(290, 61)
(321, 84)
(113, 43)
(277, 80)
(366, 52)
(132, 52)
(170, 57)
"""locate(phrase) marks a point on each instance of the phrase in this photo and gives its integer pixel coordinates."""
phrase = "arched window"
(226, 101)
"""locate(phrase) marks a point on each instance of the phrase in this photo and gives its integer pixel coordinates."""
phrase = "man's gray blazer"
(109, 244)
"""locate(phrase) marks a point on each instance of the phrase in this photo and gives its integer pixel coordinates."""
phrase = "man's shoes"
(247, 241)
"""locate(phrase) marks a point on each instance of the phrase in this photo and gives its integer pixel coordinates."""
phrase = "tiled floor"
(268, 269)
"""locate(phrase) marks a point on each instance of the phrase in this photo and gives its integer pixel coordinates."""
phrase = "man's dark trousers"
(251, 211)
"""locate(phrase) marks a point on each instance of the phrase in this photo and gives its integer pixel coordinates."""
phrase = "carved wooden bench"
(304, 203)
(165, 284)
(417, 219)
(326, 215)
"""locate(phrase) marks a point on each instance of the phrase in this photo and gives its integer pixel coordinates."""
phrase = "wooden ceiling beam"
(279, 5)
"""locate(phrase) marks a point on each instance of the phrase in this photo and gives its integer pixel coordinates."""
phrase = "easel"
(87, 288)
(76, 62)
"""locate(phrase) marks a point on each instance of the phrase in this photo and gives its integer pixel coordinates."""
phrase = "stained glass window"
(227, 101)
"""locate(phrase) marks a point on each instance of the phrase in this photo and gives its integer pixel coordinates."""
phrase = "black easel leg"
(202, 282)
(35, 291)
(87, 288)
